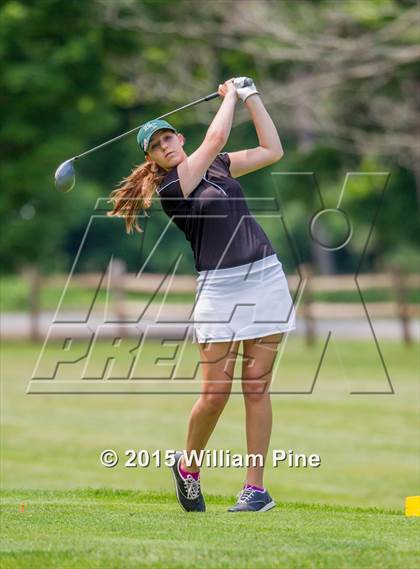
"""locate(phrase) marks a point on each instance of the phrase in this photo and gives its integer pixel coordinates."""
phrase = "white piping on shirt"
(203, 178)
(214, 184)
(173, 182)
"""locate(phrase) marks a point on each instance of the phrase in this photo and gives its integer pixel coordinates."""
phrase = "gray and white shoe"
(188, 490)
(251, 500)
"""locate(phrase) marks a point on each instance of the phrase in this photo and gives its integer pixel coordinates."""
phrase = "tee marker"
(412, 506)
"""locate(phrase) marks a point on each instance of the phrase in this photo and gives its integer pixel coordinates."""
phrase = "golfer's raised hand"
(245, 90)
(228, 88)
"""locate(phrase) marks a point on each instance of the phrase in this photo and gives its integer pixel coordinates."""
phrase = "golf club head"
(65, 177)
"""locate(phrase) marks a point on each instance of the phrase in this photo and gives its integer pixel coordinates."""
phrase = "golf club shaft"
(207, 98)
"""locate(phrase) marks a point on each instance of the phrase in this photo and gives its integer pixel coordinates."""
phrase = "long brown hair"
(135, 193)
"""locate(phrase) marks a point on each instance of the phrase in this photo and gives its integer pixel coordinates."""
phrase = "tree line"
(338, 78)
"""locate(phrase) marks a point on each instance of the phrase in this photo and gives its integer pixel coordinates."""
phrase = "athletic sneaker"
(251, 500)
(187, 489)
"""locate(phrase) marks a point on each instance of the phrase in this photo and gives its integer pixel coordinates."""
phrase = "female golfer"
(242, 292)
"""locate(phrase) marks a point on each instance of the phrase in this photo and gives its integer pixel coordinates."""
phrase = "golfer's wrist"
(232, 96)
(252, 99)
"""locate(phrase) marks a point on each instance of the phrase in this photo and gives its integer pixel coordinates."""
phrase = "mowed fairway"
(349, 512)
(126, 529)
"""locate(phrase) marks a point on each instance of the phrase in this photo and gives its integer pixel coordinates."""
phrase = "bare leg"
(218, 365)
(259, 357)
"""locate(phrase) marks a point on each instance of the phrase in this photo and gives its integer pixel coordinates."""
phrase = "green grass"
(15, 296)
(113, 529)
(368, 445)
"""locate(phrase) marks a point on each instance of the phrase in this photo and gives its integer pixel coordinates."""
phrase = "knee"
(214, 402)
(255, 391)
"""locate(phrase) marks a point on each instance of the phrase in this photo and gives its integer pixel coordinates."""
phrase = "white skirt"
(243, 302)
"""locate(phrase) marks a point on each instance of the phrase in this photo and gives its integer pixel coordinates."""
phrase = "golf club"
(65, 176)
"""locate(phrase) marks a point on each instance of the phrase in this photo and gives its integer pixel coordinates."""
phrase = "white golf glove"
(245, 87)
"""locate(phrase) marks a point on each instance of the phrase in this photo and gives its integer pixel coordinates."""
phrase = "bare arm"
(269, 150)
(192, 169)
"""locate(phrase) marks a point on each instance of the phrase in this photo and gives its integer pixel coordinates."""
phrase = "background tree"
(339, 79)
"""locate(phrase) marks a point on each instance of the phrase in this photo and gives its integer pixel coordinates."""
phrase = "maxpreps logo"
(103, 349)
